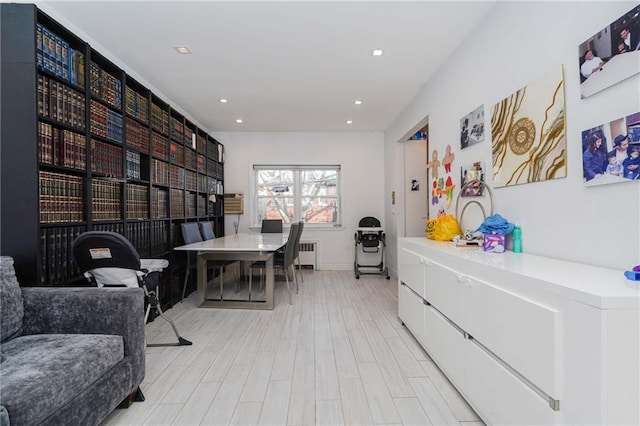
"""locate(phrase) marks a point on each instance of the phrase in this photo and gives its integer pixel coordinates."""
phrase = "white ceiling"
(284, 66)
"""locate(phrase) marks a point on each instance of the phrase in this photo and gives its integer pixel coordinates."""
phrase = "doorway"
(416, 184)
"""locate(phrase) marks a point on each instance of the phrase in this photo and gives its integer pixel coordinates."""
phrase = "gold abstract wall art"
(528, 133)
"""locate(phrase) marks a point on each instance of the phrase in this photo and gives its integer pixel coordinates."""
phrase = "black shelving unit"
(87, 147)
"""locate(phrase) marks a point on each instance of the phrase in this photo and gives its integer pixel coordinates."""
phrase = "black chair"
(108, 259)
(296, 252)
(282, 261)
(191, 233)
(271, 226)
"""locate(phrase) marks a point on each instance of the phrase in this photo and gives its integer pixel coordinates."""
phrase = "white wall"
(360, 155)
(517, 43)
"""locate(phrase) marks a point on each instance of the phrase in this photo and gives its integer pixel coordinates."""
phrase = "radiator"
(308, 254)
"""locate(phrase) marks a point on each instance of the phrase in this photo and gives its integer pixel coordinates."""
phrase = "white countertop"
(592, 285)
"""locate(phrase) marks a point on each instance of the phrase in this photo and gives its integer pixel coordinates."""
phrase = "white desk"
(241, 247)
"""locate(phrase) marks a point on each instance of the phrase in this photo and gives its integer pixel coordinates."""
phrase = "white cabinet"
(526, 339)
(412, 308)
(499, 395)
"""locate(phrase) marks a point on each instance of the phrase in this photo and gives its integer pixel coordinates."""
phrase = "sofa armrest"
(67, 310)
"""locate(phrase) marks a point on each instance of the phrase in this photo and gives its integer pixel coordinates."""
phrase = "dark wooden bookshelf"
(97, 169)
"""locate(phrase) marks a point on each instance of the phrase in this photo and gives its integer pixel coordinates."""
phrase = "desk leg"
(270, 282)
(202, 279)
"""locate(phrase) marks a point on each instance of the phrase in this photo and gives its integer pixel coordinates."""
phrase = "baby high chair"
(370, 238)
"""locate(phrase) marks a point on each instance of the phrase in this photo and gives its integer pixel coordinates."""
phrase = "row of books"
(176, 177)
(106, 158)
(179, 131)
(177, 203)
(159, 146)
(190, 159)
(56, 252)
(61, 147)
(137, 202)
(55, 55)
(61, 197)
(136, 105)
(176, 153)
(105, 122)
(60, 102)
(159, 119)
(215, 169)
(106, 200)
(202, 205)
(216, 151)
(149, 238)
(201, 144)
(159, 203)
(203, 183)
(159, 172)
(190, 204)
(137, 135)
(190, 180)
(109, 227)
(201, 163)
(105, 86)
(133, 165)
(215, 186)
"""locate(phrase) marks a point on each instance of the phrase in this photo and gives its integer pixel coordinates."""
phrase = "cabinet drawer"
(446, 345)
(411, 270)
(521, 332)
(447, 290)
(411, 312)
(500, 397)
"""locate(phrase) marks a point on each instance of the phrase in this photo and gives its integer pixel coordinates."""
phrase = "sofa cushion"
(43, 372)
(11, 310)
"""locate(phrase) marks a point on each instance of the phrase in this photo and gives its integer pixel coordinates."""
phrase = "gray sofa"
(68, 355)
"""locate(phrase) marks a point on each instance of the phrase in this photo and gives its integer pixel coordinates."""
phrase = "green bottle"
(517, 239)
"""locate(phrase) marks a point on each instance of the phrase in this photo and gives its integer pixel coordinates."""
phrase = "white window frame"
(256, 221)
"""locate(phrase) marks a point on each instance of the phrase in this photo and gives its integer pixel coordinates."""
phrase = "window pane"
(317, 183)
(320, 210)
(275, 182)
(276, 208)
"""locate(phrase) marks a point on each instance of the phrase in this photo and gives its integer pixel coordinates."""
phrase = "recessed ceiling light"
(377, 52)
(184, 50)
(224, 101)
(238, 120)
(357, 102)
(349, 121)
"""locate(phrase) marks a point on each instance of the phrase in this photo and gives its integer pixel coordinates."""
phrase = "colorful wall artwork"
(611, 151)
(472, 128)
(611, 55)
(528, 133)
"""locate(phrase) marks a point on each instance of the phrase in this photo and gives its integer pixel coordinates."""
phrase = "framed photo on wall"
(472, 128)
(611, 55)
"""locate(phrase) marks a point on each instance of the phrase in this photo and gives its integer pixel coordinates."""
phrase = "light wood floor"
(338, 355)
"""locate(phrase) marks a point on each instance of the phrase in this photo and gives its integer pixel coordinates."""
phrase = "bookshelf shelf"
(93, 150)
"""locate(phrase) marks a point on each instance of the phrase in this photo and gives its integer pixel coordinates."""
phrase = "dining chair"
(191, 234)
(271, 226)
(282, 261)
(206, 230)
(296, 254)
